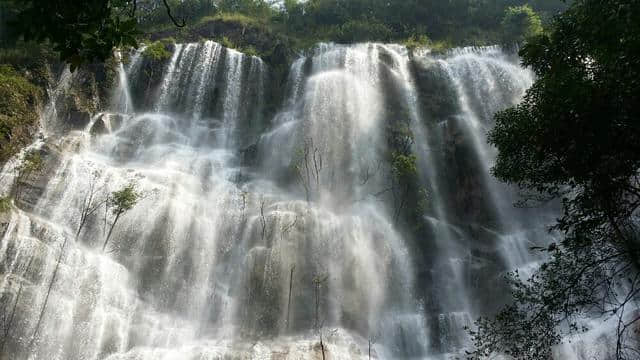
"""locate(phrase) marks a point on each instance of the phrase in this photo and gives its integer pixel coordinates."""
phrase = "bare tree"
(263, 221)
(244, 196)
(293, 268)
(9, 322)
(373, 339)
(318, 280)
(309, 167)
(369, 172)
(46, 299)
(90, 205)
(321, 334)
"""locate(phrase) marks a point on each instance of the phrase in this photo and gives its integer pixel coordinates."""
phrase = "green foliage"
(256, 8)
(417, 41)
(124, 200)
(362, 30)
(404, 166)
(32, 163)
(409, 196)
(88, 31)
(120, 202)
(152, 15)
(80, 32)
(237, 18)
(250, 50)
(157, 51)
(575, 138)
(520, 23)
(226, 42)
(18, 111)
(168, 41)
(5, 205)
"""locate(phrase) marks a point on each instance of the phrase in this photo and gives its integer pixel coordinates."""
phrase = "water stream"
(256, 236)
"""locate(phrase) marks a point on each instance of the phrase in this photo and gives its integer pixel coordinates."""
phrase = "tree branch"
(173, 19)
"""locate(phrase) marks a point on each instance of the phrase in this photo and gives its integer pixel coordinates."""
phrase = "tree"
(575, 138)
(8, 322)
(90, 204)
(520, 23)
(32, 164)
(308, 168)
(81, 31)
(120, 202)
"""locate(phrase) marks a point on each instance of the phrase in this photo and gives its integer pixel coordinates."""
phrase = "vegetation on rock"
(574, 138)
(88, 32)
(19, 100)
(157, 51)
(520, 23)
(5, 204)
(120, 202)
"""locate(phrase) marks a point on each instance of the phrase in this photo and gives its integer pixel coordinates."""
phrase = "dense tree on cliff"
(575, 138)
(80, 31)
(87, 31)
(520, 23)
(18, 112)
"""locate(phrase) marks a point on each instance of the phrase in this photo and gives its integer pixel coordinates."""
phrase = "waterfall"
(256, 236)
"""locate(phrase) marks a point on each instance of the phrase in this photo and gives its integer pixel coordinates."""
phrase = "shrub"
(18, 111)
(360, 30)
(157, 51)
(520, 23)
(5, 204)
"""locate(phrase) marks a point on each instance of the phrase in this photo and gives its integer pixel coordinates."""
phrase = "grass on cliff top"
(237, 18)
(18, 111)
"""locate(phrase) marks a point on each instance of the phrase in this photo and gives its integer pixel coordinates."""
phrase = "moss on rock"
(157, 51)
(19, 100)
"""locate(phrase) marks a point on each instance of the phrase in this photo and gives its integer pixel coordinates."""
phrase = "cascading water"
(267, 253)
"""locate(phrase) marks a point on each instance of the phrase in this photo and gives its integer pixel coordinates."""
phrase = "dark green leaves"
(575, 137)
(80, 31)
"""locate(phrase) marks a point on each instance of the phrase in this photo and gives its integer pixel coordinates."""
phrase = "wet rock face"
(249, 155)
(31, 186)
(99, 127)
(243, 248)
(78, 120)
(4, 223)
(241, 35)
(107, 123)
(462, 184)
(77, 98)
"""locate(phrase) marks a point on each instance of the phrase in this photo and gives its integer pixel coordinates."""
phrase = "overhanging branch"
(173, 19)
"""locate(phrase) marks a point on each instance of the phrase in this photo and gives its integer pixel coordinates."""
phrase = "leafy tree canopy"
(88, 31)
(80, 31)
(124, 200)
(520, 23)
(575, 138)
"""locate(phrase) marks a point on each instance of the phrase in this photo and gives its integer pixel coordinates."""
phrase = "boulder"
(78, 120)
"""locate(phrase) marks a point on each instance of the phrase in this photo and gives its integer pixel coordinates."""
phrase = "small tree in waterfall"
(8, 321)
(90, 204)
(120, 202)
(318, 280)
(31, 164)
(308, 168)
(5, 204)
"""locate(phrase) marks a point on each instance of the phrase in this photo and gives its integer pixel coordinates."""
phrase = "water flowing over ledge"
(265, 238)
